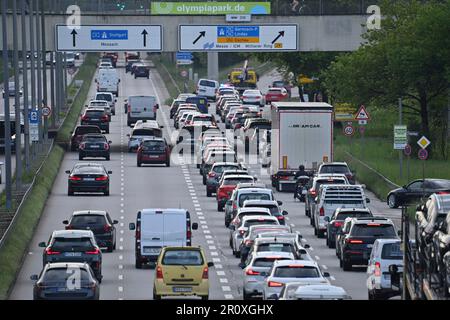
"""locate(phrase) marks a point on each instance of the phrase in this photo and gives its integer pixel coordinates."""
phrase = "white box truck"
(302, 134)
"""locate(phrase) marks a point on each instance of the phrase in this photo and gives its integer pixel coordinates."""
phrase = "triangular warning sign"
(362, 114)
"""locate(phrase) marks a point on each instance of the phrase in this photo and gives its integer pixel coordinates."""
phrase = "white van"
(141, 108)
(207, 88)
(158, 228)
(108, 81)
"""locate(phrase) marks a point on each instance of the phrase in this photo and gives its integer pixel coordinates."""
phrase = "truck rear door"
(152, 233)
(175, 229)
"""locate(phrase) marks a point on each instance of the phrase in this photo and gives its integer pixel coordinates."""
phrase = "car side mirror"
(367, 200)
(405, 187)
(67, 171)
(280, 203)
(132, 226)
(307, 246)
(326, 274)
(255, 179)
(162, 127)
(115, 222)
(285, 213)
(195, 226)
(42, 244)
(115, 100)
(65, 222)
(232, 227)
(109, 172)
(399, 233)
(109, 142)
(393, 269)
(210, 264)
(128, 135)
(302, 252)
(34, 277)
(327, 219)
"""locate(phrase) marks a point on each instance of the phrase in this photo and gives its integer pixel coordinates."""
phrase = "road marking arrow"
(202, 34)
(280, 34)
(74, 33)
(144, 35)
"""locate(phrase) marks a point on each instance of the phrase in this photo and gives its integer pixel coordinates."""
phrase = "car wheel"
(70, 192)
(204, 180)
(138, 264)
(107, 130)
(99, 278)
(327, 242)
(219, 207)
(110, 248)
(208, 193)
(331, 244)
(347, 266)
(155, 296)
(205, 297)
(139, 164)
(80, 157)
(340, 262)
(392, 202)
(320, 234)
(106, 193)
(306, 212)
(315, 232)
(108, 157)
(114, 246)
(246, 296)
(168, 163)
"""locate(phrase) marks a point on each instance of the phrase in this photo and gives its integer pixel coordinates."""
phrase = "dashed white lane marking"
(122, 217)
(206, 231)
(214, 253)
(218, 266)
(122, 205)
(229, 297)
(317, 257)
(220, 273)
(216, 259)
(223, 280)
(121, 266)
(199, 213)
(212, 248)
(292, 225)
(120, 277)
(208, 237)
(202, 222)
(333, 278)
(201, 218)
(121, 224)
(311, 248)
(209, 241)
(324, 267)
(204, 227)
(194, 198)
(121, 239)
(121, 257)
(287, 218)
(121, 248)
(120, 289)
(121, 231)
(226, 289)
(194, 201)
(196, 205)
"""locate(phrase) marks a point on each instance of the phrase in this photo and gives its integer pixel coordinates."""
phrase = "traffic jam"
(248, 150)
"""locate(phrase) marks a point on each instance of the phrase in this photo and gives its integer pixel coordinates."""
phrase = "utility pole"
(33, 66)
(26, 103)
(400, 120)
(44, 67)
(40, 60)
(18, 127)
(8, 180)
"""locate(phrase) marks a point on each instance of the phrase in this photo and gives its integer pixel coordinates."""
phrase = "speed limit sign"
(349, 130)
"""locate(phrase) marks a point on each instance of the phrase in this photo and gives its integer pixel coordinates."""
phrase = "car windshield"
(65, 274)
(84, 130)
(296, 272)
(266, 262)
(334, 169)
(356, 214)
(442, 184)
(253, 196)
(235, 181)
(72, 244)
(278, 84)
(88, 219)
(261, 126)
(153, 146)
(183, 257)
(102, 96)
(202, 119)
(275, 247)
(392, 251)
(373, 230)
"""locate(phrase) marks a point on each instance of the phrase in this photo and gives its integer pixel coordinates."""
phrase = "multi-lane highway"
(178, 186)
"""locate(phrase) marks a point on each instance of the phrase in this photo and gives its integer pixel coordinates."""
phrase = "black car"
(78, 134)
(88, 177)
(142, 71)
(441, 244)
(96, 117)
(356, 246)
(336, 221)
(73, 246)
(129, 64)
(99, 222)
(94, 145)
(55, 282)
(415, 191)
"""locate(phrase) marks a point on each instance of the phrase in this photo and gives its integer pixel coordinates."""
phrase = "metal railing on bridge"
(277, 7)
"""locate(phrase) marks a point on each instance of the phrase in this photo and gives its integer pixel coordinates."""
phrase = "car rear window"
(345, 215)
(273, 209)
(88, 138)
(334, 169)
(250, 223)
(442, 184)
(373, 230)
(84, 130)
(275, 247)
(207, 83)
(147, 132)
(392, 251)
(72, 244)
(331, 181)
(142, 101)
(95, 113)
(89, 170)
(261, 126)
(102, 96)
(81, 220)
(64, 274)
(266, 262)
(296, 272)
(233, 182)
(220, 169)
(182, 257)
(202, 118)
(253, 196)
(153, 146)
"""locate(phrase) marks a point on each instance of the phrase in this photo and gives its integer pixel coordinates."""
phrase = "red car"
(153, 151)
(276, 94)
(227, 186)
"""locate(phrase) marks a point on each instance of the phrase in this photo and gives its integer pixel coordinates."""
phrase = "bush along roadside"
(16, 245)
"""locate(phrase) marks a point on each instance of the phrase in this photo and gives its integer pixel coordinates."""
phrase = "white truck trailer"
(302, 134)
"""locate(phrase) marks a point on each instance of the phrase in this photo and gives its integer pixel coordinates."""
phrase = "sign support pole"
(400, 152)
(26, 103)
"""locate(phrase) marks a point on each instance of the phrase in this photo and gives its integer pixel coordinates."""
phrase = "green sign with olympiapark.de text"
(209, 8)
(400, 137)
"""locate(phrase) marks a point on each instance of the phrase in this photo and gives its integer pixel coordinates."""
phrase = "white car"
(282, 272)
(298, 291)
(260, 262)
(385, 252)
(253, 97)
(100, 104)
(184, 96)
(107, 96)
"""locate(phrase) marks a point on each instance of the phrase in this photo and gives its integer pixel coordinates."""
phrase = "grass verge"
(13, 252)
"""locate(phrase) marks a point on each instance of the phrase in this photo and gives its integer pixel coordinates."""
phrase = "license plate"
(153, 156)
(72, 254)
(152, 250)
(95, 147)
(182, 289)
(89, 179)
(95, 119)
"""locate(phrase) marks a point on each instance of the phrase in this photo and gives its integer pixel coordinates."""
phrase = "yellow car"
(181, 271)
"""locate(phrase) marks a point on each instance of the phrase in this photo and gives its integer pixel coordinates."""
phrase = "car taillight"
(283, 177)
(211, 174)
(159, 273)
(280, 217)
(129, 108)
(102, 178)
(107, 228)
(275, 284)
(95, 251)
(241, 232)
(377, 269)
(82, 146)
(105, 118)
(322, 211)
(188, 234)
(338, 224)
(248, 242)
(84, 118)
(353, 241)
(250, 272)
(234, 206)
(50, 252)
(244, 97)
(312, 192)
(69, 227)
(205, 273)
(74, 178)
(106, 146)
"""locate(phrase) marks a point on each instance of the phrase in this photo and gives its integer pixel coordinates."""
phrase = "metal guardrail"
(278, 7)
(24, 198)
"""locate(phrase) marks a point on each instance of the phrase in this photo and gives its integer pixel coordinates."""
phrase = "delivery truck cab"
(158, 228)
(302, 134)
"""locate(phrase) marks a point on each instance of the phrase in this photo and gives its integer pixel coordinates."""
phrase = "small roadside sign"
(46, 111)
(362, 114)
(423, 154)
(400, 137)
(423, 142)
(33, 117)
(408, 150)
(184, 73)
(349, 130)
(362, 122)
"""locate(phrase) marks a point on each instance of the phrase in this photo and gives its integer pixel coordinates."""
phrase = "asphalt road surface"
(134, 188)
